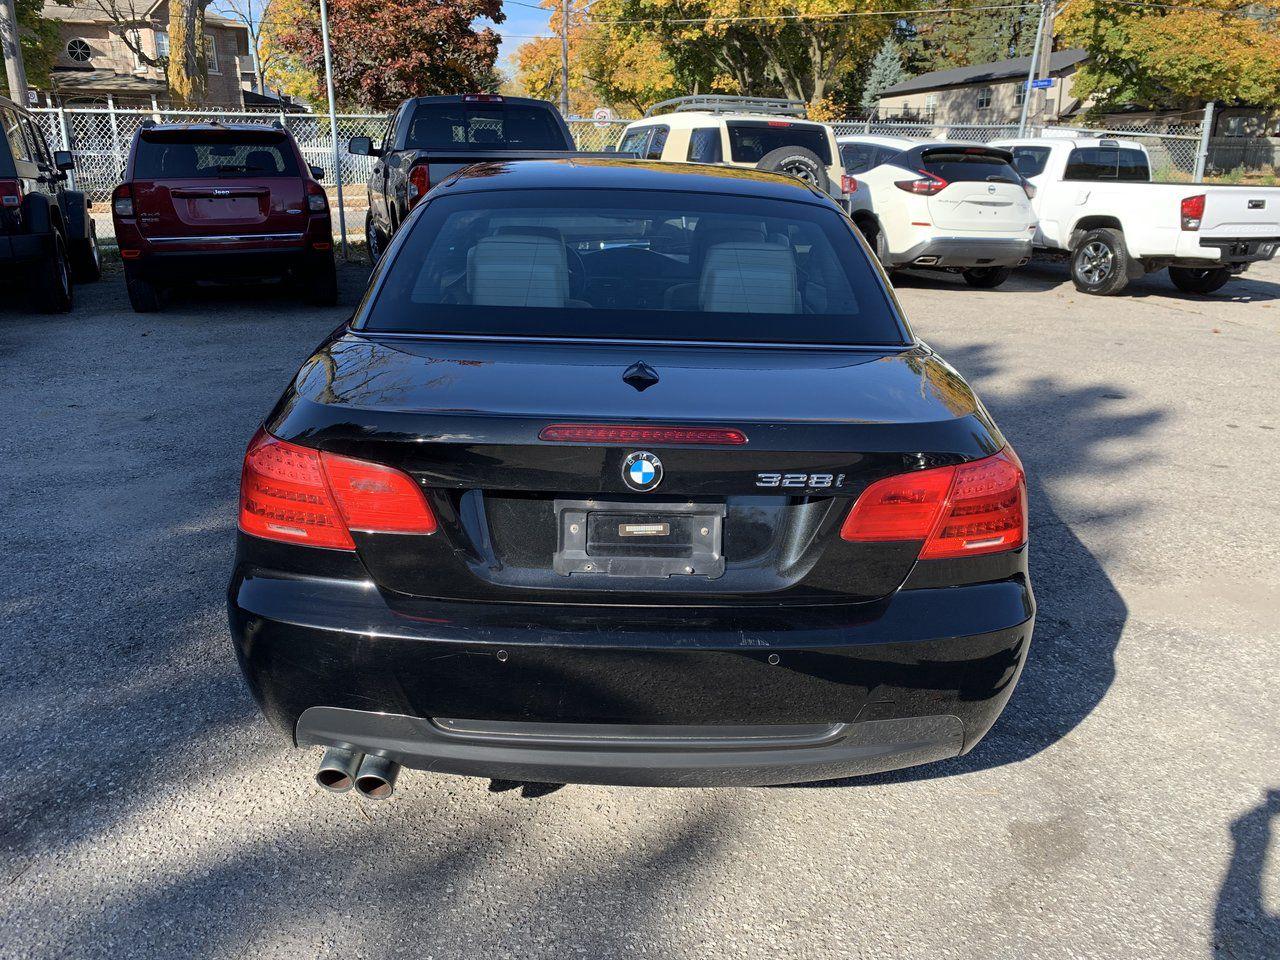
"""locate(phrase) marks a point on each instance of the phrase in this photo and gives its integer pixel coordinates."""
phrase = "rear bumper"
(1238, 250)
(25, 247)
(168, 266)
(966, 252)
(646, 696)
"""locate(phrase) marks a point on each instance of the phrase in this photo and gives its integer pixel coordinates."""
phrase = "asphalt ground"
(1125, 805)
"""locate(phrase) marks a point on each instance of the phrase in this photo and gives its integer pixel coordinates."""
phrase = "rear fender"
(41, 215)
(75, 214)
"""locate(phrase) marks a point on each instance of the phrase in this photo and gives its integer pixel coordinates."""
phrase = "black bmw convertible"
(629, 473)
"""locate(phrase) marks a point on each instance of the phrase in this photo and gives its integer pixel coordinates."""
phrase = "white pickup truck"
(1095, 200)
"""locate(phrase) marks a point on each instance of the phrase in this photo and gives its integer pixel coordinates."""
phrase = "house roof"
(89, 12)
(103, 81)
(984, 73)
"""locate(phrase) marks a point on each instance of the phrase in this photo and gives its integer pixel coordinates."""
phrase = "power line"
(824, 16)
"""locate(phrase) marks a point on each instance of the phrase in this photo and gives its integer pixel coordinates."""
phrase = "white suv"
(756, 133)
(939, 205)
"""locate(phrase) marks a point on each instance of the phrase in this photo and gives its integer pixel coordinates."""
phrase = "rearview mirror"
(362, 147)
(63, 160)
(318, 172)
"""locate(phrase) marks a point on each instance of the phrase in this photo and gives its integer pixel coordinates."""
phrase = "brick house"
(95, 63)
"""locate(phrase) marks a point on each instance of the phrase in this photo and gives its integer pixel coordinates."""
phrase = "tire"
(143, 294)
(320, 282)
(986, 278)
(1197, 279)
(1100, 264)
(804, 165)
(51, 292)
(86, 260)
(373, 240)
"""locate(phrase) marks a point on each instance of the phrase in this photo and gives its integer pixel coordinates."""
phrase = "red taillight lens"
(10, 193)
(419, 182)
(926, 186)
(613, 433)
(122, 201)
(848, 184)
(960, 511)
(317, 201)
(482, 98)
(300, 495)
(1192, 212)
(1029, 189)
(377, 499)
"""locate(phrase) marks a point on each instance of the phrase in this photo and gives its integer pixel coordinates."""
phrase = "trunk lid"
(756, 522)
(232, 183)
(983, 194)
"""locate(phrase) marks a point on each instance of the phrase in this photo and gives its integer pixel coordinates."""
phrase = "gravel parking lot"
(1126, 805)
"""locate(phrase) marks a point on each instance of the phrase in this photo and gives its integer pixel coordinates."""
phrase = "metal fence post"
(65, 131)
(115, 136)
(1206, 130)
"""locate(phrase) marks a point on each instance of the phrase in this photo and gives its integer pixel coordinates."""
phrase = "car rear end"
(215, 202)
(600, 486)
(1230, 226)
(967, 207)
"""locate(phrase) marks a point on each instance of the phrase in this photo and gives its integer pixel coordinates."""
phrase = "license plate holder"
(627, 539)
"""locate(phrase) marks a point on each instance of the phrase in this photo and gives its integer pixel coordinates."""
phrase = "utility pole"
(1028, 91)
(333, 123)
(14, 70)
(1047, 16)
(563, 58)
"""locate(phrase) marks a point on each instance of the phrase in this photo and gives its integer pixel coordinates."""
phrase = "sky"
(520, 20)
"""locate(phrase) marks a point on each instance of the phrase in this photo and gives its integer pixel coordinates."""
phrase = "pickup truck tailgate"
(1241, 212)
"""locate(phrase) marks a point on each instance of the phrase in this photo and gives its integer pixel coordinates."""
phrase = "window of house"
(211, 53)
(78, 50)
(1020, 95)
(1237, 126)
(162, 45)
(984, 98)
(931, 104)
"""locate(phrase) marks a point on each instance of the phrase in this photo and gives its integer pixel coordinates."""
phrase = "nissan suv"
(229, 202)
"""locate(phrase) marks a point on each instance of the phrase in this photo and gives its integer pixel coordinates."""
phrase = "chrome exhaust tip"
(338, 767)
(926, 261)
(376, 778)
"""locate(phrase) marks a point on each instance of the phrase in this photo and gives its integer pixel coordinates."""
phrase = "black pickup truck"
(429, 138)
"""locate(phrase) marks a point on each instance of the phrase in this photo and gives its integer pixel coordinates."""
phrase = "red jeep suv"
(214, 201)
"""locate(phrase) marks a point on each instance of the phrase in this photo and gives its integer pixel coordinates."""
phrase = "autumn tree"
(282, 68)
(384, 52)
(1175, 55)
(38, 38)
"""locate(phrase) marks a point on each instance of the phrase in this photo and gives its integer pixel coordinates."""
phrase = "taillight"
(1029, 189)
(848, 184)
(1192, 212)
(299, 495)
(317, 202)
(482, 98)
(419, 182)
(926, 186)
(958, 511)
(10, 193)
(615, 433)
(122, 201)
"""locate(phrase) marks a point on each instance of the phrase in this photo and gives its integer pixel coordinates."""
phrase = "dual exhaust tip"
(371, 775)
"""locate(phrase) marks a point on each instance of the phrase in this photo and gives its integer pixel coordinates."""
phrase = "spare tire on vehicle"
(798, 162)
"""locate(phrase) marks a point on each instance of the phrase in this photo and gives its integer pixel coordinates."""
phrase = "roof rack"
(771, 106)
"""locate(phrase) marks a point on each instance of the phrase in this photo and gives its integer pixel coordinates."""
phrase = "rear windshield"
(166, 155)
(1107, 163)
(750, 140)
(447, 126)
(634, 265)
(960, 166)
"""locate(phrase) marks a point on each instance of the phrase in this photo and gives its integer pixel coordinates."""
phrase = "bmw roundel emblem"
(642, 471)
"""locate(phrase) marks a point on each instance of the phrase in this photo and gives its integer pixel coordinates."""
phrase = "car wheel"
(1199, 280)
(52, 289)
(1100, 263)
(986, 278)
(144, 296)
(804, 165)
(371, 240)
(321, 282)
(86, 258)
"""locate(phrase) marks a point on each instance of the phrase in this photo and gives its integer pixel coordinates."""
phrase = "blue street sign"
(1044, 84)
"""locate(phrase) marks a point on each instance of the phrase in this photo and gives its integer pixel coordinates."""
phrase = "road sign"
(1044, 84)
(603, 116)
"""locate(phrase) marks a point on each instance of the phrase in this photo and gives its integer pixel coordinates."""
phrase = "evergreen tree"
(886, 70)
